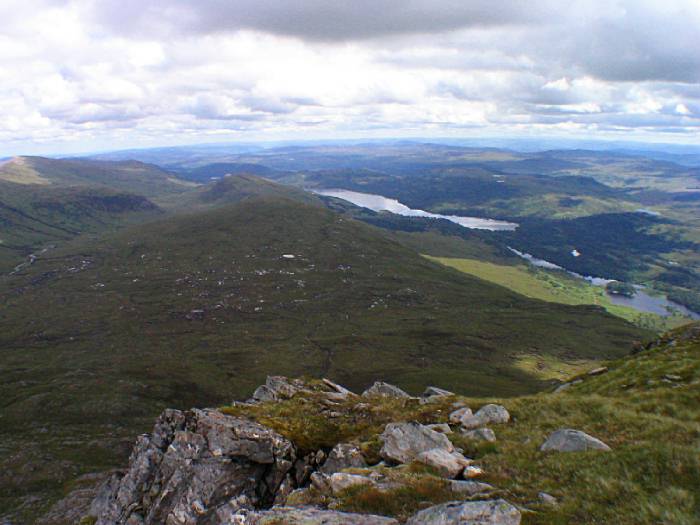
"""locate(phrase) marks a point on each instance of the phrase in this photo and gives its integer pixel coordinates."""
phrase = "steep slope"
(197, 309)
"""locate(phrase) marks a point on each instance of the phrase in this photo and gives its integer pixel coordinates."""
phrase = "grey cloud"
(322, 20)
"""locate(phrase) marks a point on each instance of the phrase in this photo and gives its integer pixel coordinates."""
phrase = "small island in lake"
(620, 288)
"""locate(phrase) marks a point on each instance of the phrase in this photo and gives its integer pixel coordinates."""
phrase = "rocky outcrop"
(276, 388)
(404, 441)
(342, 456)
(197, 467)
(380, 388)
(570, 440)
(308, 516)
(491, 512)
(206, 467)
(486, 415)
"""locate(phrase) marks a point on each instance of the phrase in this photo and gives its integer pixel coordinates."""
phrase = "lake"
(379, 203)
(642, 301)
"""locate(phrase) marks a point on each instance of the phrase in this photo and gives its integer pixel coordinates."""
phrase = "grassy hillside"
(558, 287)
(234, 189)
(131, 176)
(36, 217)
(196, 309)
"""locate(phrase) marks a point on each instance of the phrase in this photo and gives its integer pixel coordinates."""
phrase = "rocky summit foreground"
(313, 452)
(216, 468)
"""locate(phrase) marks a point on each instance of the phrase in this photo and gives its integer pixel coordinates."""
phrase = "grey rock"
(443, 428)
(459, 414)
(486, 415)
(449, 464)
(342, 456)
(341, 481)
(194, 464)
(570, 440)
(480, 434)
(489, 512)
(404, 441)
(382, 389)
(338, 388)
(276, 388)
(469, 487)
(307, 516)
(547, 499)
(433, 391)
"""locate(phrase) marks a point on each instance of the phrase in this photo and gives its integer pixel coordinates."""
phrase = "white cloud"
(80, 74)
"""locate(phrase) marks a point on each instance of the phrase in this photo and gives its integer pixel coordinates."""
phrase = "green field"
(557, 287)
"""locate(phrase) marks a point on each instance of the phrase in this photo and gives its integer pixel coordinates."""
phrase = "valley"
(184, 293)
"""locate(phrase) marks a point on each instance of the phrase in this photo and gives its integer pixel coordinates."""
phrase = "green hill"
(37, 217)
(196, 309)
(131, 176)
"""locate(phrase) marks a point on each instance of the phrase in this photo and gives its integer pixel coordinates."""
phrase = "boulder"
(197, 463)
(598, 371)
(570, 440)
(486, 415)
(382, 389)
(404, 441)
(449, 464)
(433, 391)
(480, 434)
(342, 456)
(490, 512)
(341, 481)
(461, 413)
(307, 516)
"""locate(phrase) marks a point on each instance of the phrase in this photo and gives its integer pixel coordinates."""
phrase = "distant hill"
(34, 216)
(132, 176)
(232, 189)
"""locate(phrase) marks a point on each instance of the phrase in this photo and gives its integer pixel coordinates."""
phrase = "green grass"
(557, 287)
(652, 423)
(96, 339)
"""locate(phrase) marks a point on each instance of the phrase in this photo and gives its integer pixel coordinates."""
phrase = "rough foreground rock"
(308, 516)
(491, 512)
(404, 441)
(569, 440)
(197, 467)
(205, 467)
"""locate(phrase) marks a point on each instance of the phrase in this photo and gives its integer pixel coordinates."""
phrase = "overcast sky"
(98, 74)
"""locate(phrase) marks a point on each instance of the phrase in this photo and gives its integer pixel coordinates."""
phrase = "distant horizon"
(81, 76)
(523, 144)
